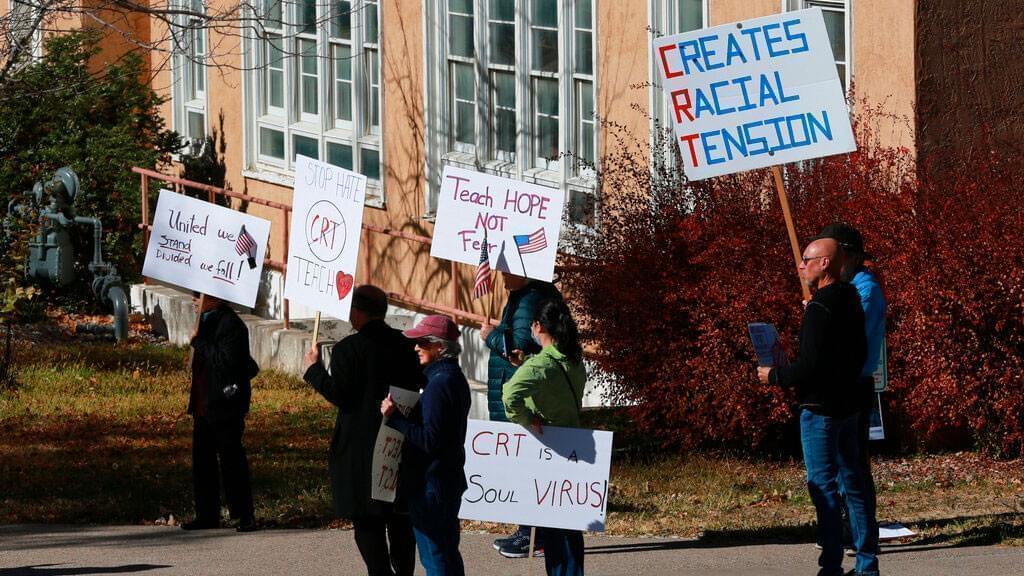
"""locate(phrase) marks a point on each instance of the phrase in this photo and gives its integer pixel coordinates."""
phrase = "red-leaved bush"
(667, 284)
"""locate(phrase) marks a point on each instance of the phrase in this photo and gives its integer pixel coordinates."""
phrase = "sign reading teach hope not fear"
(756, 93)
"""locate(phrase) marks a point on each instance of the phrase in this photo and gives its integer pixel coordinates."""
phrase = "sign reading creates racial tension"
(558, 479)
(756, 93)
(522, 222)
(323, 247)
(208, 248)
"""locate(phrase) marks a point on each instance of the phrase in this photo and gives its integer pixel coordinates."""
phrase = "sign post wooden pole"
(316, 331)
(781, 188)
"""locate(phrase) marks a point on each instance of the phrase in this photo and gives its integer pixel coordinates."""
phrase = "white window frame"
(23, 14)
(844, 6)
(325, 127)
(484, 156)
(190, 77)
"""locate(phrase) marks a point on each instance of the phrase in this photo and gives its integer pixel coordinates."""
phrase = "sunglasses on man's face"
(806, 259)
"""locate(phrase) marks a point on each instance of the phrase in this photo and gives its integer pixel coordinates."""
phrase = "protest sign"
(558, 479)
(387, 450)
(767, 345)
(752, 94)
(323, 244)
(207, 248)
(522, 221)
(881, 374)
(876, 426)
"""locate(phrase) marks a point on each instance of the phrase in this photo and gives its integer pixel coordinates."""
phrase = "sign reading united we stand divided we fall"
(207, 248)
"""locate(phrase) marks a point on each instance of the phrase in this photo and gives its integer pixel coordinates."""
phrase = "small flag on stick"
(529, 243)
(246, 245)
(482, 284)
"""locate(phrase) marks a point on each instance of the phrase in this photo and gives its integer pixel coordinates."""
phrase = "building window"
(670, 17)
(189, 74)
(838, 26)
(23, 35)
(511, 90)
(316, 82)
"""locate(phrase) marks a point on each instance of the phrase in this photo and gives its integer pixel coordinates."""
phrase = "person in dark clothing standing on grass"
(826, 376)
(513, 334)
(218, 402)
(364, 366)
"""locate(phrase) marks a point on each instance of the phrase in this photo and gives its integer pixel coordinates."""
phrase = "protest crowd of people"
(536, 378)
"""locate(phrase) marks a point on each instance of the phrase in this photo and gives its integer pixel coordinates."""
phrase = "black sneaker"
(246, 525)
(198, 524)
(519, 547)
(500, 543)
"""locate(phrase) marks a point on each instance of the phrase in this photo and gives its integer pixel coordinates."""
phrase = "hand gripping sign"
(207, 248)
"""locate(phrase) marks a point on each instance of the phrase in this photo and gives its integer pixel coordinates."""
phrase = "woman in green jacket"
(548, 389)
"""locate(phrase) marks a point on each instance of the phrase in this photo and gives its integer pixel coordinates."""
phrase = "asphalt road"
(43, 550)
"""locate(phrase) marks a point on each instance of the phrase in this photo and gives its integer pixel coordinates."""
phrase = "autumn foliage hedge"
(676, 270)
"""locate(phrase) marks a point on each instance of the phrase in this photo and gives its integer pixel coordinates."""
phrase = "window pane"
(505, 130)
(196, 124)
(503, 43)
(370, 160)
(307, 16)
(372, 65)
(343, 83)
(309, 96)
(460, 35)
(547, 138)
(545, 50)
(547, 96)
(308, 49)
(586, 101)
(305, 146)
(582, 206)
(505, 89)
(341, 19)
(463, 6)
(276, 96)
(584, 52)
(691, 15)
(339, 155)
(586, 151)
(582, 14)
(310, 81)
(370, 15)
(503, 10)
(465, 122)
(271, 143)
(836, 29)
(464, 81)
(272, 9)
(545, 13)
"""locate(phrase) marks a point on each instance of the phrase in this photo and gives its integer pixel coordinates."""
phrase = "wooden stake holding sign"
(316, 331)
(755, 94)
(797, 256)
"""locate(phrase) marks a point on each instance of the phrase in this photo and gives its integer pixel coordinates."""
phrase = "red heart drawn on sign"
(344, 284)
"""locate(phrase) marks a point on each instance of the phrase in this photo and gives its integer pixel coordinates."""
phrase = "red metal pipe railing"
(454, 310)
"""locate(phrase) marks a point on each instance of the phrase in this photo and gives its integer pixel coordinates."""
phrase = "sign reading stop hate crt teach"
(558, 479)
(327, 219)
(756, 93)
(521, 223)
(208, 248)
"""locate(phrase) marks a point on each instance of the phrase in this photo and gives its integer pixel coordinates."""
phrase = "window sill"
(543, 177)
(374, 195)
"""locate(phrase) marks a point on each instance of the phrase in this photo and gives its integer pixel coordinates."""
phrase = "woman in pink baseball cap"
(432, 473)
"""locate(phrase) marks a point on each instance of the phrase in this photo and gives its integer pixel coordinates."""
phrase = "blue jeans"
(832, 450)
(563, 551)
(435, 523)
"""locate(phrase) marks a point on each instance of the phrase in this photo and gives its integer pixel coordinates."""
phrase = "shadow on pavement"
(58, 570)
(42, 536)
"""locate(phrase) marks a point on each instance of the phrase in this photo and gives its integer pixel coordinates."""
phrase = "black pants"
(374, 534)
(213, 440)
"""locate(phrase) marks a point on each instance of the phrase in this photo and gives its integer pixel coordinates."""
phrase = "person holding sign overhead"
(218, 402)
(547, 389)
(433, 459)
(363, 367)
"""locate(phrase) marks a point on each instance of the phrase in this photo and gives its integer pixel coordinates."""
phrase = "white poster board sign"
(387, 450)
(208, 248)
(557, 480)
(323, 243)
(522, 221)
(752, 94)
(881, 374)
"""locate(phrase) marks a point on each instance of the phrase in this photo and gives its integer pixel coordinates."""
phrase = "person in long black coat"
(363, 367)
(218, 402)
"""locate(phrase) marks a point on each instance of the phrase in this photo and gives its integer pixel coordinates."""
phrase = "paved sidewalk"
(40, 550)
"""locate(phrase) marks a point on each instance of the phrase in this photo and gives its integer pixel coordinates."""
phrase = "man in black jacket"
(218, 402)
(833, 348)
(363, 367)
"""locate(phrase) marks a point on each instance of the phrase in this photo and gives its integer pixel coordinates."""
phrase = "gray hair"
(449, 348)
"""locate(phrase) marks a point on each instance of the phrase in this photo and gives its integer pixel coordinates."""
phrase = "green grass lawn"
(97, 433)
